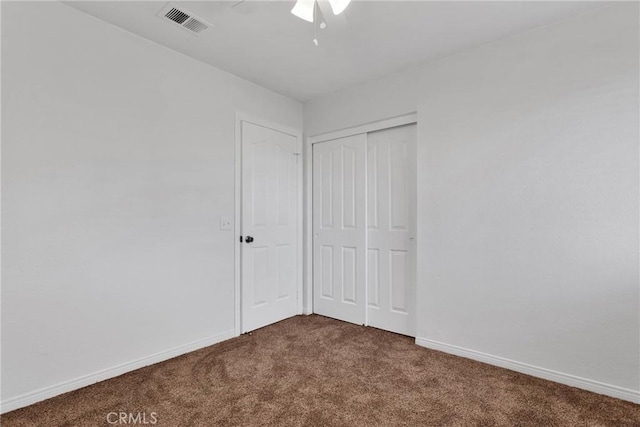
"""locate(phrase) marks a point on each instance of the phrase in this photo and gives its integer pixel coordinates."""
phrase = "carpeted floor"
(315, 371)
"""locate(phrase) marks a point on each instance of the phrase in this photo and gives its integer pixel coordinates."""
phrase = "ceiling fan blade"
(304, 9)
(326, 13)
(338, 6)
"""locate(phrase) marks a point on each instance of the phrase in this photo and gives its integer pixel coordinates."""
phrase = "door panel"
(364, 227)
(391, 229)
(270, 192)
(339, 228)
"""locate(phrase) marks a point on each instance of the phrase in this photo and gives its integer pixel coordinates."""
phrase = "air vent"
(195, 25)
(184, 19)
(176, 15)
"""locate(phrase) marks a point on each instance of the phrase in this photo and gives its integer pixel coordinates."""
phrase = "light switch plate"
(225, 223)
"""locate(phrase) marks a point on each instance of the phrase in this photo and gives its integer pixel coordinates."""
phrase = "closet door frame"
(405, 119)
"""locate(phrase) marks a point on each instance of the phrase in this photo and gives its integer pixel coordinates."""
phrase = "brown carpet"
(315, 371)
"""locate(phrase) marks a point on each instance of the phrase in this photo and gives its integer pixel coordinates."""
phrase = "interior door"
(339, 228)
(270, 255)
(391, 223)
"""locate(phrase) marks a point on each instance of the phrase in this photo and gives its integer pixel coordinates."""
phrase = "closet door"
(391, 223)
(339, 228)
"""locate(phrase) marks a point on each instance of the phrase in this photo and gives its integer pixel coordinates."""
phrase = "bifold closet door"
(391, 219)
(339, 228)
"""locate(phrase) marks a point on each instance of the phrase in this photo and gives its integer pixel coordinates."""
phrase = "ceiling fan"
(305, 9)
(311, 11)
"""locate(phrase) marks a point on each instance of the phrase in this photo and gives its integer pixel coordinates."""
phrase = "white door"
(391, 208)
(270, 255)
(339, 228)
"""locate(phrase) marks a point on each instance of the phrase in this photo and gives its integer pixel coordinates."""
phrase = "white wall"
(391, 96)
(117, 164)
(527, 197)
(529, 194)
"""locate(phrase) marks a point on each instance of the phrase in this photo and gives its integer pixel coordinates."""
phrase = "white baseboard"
(32, 397)
(547, 374)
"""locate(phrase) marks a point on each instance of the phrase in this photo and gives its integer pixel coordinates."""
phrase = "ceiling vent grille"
(195, 25)
(184, 19)
(176, 15)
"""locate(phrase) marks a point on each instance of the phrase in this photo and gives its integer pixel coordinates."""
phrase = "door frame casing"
(237, 226)
(405, 119)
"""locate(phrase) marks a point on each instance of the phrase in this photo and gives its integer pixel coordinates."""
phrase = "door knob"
(248, 239)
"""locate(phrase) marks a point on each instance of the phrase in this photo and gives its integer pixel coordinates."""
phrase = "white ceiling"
(263, 42)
